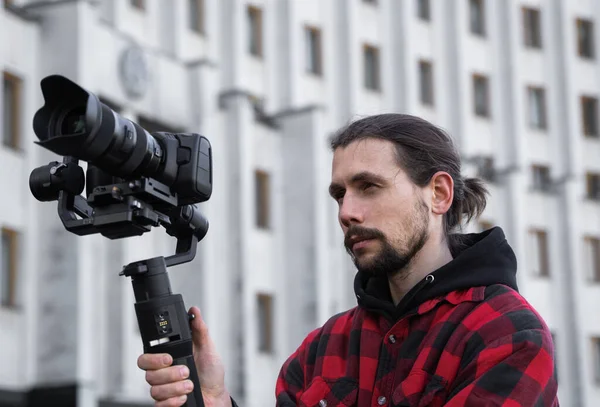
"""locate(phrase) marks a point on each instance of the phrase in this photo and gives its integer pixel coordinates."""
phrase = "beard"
(392, 261)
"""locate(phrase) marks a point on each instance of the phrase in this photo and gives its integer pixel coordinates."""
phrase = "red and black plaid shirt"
(481, 346)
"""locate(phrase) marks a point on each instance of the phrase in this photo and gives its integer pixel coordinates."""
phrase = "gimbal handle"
(162, 318)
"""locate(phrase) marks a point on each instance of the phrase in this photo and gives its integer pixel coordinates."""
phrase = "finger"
(166, 391)
(199, 328)
(149, 361)
(172, 402)
(167, 375)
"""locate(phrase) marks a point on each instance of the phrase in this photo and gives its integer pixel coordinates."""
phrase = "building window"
(8, 268)
(541, 180)
(12, 111)
(481, 95)
(486, 169)
(426, 82)
(592, 186)
(538, 253)
(196, 10)
(589, 112)
(532, 28)
(592, 257)
(585, 38)
(313, 50)
(262, 185)
(138, 4)
(537, 108)
(424, 10)
(596, 358)
(265, 323)
(477, 17)
(372, 77)
(255, 31)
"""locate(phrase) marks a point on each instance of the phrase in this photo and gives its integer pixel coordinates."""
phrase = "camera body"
(188, 157)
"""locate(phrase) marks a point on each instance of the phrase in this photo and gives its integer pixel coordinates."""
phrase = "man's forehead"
(369, 152)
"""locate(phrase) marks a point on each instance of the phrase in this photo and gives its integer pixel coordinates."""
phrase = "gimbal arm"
(188, 226)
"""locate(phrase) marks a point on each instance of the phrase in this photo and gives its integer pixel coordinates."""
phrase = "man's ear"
(442, 192)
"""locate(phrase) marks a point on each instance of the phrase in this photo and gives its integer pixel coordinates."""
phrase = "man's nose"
(350, 212)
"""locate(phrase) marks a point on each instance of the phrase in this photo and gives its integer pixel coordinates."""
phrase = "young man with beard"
(439, 321)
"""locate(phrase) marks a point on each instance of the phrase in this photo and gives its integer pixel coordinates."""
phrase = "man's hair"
(422, 149)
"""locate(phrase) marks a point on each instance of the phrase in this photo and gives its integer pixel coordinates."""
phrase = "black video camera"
(133, 175)
(134, 180)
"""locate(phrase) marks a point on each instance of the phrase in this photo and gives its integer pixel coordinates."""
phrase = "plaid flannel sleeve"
(516, 370)
(290, 382)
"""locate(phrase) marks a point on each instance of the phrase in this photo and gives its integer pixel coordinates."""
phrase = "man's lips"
(357, 238)
(359, 242)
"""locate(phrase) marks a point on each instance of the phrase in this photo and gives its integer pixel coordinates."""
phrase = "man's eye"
(367, 186)
(338, 197)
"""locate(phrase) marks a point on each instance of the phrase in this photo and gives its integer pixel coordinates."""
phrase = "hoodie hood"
(485, 259)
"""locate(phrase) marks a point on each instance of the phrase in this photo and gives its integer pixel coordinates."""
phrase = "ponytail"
(470, 199)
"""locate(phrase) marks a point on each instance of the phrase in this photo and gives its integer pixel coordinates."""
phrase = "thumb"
(210, 368)
(200, 336)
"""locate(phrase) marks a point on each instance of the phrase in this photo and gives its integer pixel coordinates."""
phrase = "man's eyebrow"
(335, 188)
(367, 176)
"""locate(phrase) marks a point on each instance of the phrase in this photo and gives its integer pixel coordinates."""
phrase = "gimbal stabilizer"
(135, 180)
(121, 210)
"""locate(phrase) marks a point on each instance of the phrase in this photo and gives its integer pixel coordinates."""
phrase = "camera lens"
(74, 121)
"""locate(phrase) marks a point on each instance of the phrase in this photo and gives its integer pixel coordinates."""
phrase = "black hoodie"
(485, 260)
(484, 346)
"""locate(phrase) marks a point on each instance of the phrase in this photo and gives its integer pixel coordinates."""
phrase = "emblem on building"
(134, 71)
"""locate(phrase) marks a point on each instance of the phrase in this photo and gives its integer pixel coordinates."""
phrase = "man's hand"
(170, 384)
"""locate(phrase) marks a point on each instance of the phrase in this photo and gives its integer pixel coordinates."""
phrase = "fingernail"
(184, 371)
(189, 385)
(167, 360)
(183, 398)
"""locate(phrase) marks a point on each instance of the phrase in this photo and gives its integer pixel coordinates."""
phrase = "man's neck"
(433, 255)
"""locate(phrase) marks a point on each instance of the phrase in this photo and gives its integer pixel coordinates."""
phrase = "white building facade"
(515, 82)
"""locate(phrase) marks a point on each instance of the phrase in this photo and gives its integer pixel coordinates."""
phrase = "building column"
(235, 154)
(568, 172)
(303, 235)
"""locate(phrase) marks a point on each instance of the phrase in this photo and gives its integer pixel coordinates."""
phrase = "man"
(439, 321)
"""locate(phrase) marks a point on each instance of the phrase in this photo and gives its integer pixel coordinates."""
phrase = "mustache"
(361, 233)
